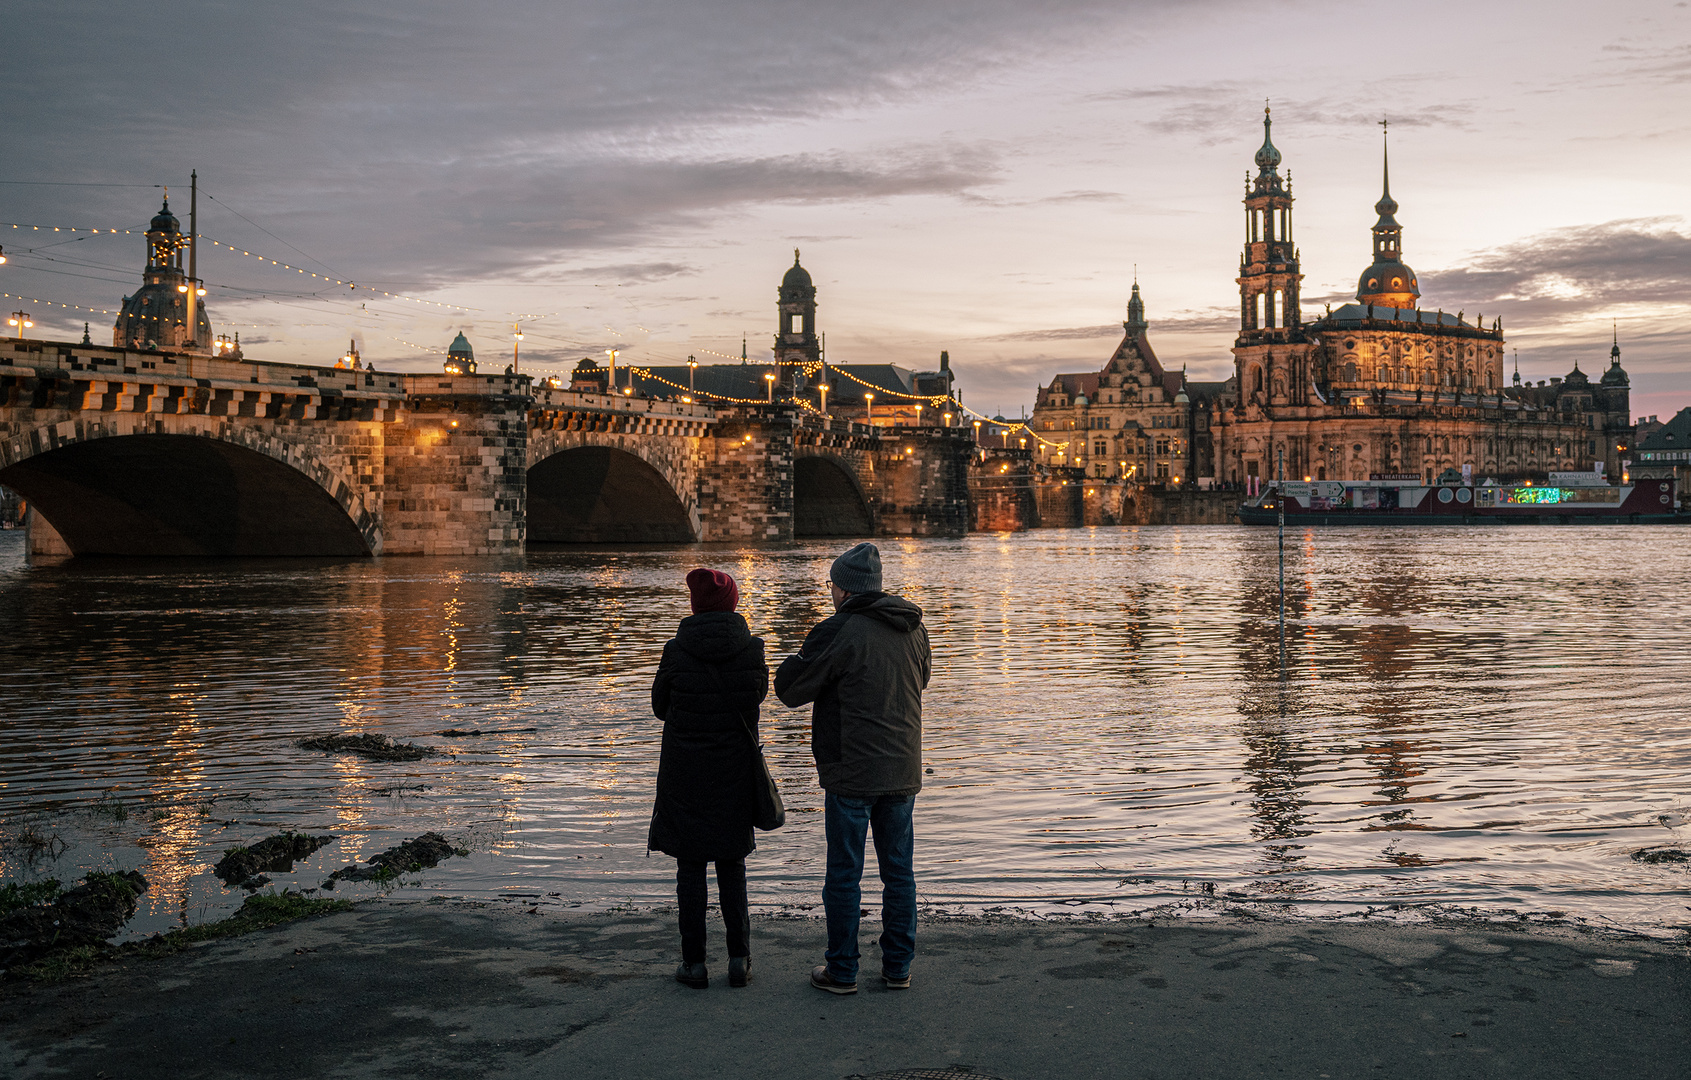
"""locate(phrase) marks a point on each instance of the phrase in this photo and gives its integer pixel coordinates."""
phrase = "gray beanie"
(858, 570)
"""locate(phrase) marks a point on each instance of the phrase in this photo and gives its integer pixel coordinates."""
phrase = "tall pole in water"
(193, 258)
(1280, 506)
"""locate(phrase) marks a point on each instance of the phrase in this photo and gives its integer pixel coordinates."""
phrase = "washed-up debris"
(245, 866)
(375, 747)
(407, 858)
(81, 918)
(460, 733)
(1660, 855)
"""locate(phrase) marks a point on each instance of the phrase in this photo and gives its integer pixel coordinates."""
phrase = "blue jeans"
(847, 819)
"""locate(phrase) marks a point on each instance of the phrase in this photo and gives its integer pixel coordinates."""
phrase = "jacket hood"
(714, 636)
(895, 611)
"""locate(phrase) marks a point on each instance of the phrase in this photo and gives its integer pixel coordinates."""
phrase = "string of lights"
(54, 303)
(253, 255)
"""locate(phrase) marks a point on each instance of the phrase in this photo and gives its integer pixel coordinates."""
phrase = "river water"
(1480, 718)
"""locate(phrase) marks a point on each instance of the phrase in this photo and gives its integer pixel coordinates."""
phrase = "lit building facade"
(1382, 387)
(1133, 419)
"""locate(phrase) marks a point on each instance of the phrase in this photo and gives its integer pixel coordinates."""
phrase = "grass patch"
(14, 895)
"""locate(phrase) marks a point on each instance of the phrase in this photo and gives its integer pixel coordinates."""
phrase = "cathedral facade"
(1382, 387)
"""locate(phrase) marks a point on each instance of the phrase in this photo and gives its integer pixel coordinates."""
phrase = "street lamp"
(947, 419)
(977, 432)
(20, 319)
(611, 383)
(516, 347)
(769, 381)
(692, 366)
(2, 256)
(869, 405)
(822, 391)
(918, 414)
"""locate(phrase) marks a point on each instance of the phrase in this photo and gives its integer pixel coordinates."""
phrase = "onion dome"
(460, 347)
(1268, 157)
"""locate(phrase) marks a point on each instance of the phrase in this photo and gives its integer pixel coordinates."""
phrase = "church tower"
(1387, 282)
(797, 351)
(1268, 269)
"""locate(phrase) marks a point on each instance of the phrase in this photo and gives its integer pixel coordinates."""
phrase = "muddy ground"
(460, 990)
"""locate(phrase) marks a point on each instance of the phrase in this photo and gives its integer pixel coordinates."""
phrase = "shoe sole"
(897, 984)
(834, 987)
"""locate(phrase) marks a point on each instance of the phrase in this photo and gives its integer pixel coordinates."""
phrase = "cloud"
(1217, 113)
(1573, 272)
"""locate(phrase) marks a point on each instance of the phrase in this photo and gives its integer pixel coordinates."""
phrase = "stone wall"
(457, 462)
(924, 474)
(745, 475)
(1002, 495)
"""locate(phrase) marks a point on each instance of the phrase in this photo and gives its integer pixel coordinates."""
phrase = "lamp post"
(611, 383)
(869, 405)
(20, 319)
(977, 432)
(692, 366)
(822, 392)
(918, 414)
(516, 347)
(769, 382)
(947, 417)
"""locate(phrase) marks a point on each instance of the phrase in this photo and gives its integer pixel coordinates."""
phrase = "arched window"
(1446, 444)
(1427, 376)
(1256, 379)
(1350, 373)
(1385, 373)
(1258, 320)
(1277, 313)
(1429, 444)
(1488, 380)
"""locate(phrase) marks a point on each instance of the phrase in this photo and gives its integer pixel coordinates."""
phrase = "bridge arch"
(601, 488)
(828, 500)
(181, 487)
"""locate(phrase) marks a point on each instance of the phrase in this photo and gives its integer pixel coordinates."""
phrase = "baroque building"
(1133, 419)
(1382, 388)
(156, 316)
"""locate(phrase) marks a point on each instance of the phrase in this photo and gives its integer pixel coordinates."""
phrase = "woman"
(710, 683)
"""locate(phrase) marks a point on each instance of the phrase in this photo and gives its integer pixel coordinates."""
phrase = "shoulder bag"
(769, 813)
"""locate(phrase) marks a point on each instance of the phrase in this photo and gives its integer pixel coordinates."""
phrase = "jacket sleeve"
(661, 685)
(804, 675)
(927, 657)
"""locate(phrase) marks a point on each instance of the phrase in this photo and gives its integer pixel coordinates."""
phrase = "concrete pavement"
(466, 990)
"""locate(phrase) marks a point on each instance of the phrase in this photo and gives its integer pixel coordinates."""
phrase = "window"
(1162, 470)
(1258, 320)
(1100, 448)
(1385, 374)
(1162, 446)
(797, 326)
(1350, 373)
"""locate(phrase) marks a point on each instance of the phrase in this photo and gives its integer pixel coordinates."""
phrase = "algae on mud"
(244, 867)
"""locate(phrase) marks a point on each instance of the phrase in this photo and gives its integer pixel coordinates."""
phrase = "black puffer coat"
(711, 680)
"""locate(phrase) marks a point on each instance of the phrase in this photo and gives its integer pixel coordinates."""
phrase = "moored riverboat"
(1569, 499)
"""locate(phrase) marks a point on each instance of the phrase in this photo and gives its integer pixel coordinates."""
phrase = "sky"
(983, 177)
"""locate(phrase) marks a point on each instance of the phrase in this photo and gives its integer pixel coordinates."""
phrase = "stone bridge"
(121, 452)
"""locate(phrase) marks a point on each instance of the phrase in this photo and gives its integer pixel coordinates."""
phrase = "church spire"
(1135, 323)
(1387, 282)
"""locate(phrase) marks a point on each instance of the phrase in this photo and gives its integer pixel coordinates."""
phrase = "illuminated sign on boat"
(1547, 496)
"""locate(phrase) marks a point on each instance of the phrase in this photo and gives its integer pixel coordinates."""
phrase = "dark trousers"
(691, 892)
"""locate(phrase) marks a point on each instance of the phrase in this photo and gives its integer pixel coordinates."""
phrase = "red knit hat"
(712, 590)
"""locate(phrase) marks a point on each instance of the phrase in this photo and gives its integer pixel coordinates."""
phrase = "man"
(865, 668)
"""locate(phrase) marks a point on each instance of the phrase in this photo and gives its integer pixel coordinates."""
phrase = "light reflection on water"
(1470, 716)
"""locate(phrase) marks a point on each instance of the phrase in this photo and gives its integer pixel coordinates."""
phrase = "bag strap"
(745, 724)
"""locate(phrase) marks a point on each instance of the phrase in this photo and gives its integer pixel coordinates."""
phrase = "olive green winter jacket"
(864, 668)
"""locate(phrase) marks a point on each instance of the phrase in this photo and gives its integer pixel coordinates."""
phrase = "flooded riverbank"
(1476, 717)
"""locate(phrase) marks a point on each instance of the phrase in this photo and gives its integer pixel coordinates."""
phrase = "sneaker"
(739, 970)
(695, 975)
(820, 979)
(896, 982)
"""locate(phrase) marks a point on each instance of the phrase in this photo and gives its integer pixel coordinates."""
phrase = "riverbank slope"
(462, 990)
